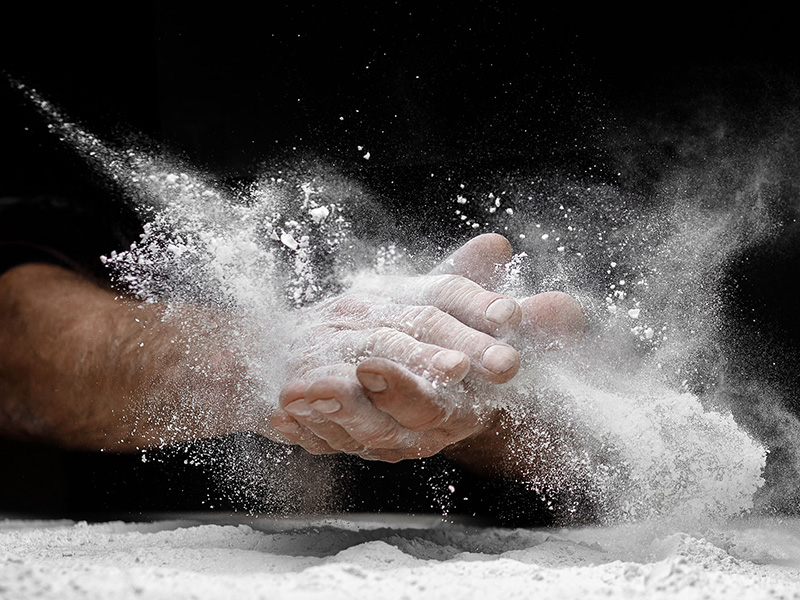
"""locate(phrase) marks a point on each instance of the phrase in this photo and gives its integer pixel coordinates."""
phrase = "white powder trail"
(645, 438)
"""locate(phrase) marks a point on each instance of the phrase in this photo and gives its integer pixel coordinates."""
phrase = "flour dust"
(636, 421)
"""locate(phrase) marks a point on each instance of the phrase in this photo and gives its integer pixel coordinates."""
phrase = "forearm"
(84, 369)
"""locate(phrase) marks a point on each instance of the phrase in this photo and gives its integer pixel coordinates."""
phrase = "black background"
(474, 82)
(459, 86)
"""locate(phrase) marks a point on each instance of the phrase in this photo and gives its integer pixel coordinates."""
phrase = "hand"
(431, 343)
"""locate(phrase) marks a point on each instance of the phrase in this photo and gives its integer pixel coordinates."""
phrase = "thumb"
(478, 260)
(551, 320)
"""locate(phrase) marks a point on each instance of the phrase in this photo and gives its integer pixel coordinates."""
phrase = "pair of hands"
(406, 369)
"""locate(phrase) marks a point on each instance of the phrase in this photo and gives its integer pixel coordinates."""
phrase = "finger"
(289, 431)
(551, 320)
(346, 406)
(425, 331)
(414, 402)
(409, 399)
(322, 428)
(336, 414)
(338, 411)
(311, 421)
(481, 260)
(348, 317)
(468, 302)
(439, 364)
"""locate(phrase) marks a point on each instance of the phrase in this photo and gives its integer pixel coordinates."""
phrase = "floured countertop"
(219, 556)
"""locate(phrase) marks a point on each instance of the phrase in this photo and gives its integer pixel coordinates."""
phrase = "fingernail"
(447, 360)
(373, 382)
(327, 406)
(298, 407)
(500, 310)
(499, 358)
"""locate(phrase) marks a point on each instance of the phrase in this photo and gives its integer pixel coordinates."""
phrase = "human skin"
(403, 408)
(84, 368)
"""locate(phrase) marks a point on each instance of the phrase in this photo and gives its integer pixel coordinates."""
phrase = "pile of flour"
(401, 559)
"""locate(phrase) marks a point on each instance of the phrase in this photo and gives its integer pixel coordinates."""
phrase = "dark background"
(475, 82)
(450, 87)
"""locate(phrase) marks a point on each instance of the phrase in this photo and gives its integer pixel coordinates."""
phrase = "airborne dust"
(639, 417)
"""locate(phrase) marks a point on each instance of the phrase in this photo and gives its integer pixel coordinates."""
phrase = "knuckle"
(469, 340)
(426, 313)
(400, 347)
(385, 339)
(348, 307)
(445, 286)
(459, 293)
(446, 281)
(419, 318)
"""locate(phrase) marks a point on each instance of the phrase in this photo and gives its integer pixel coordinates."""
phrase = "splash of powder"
(639, 444)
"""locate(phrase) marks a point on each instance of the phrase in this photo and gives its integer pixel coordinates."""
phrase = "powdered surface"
(265, 558)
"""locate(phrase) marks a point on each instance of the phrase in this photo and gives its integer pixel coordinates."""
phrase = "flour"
(341, 559)
(635, 419)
